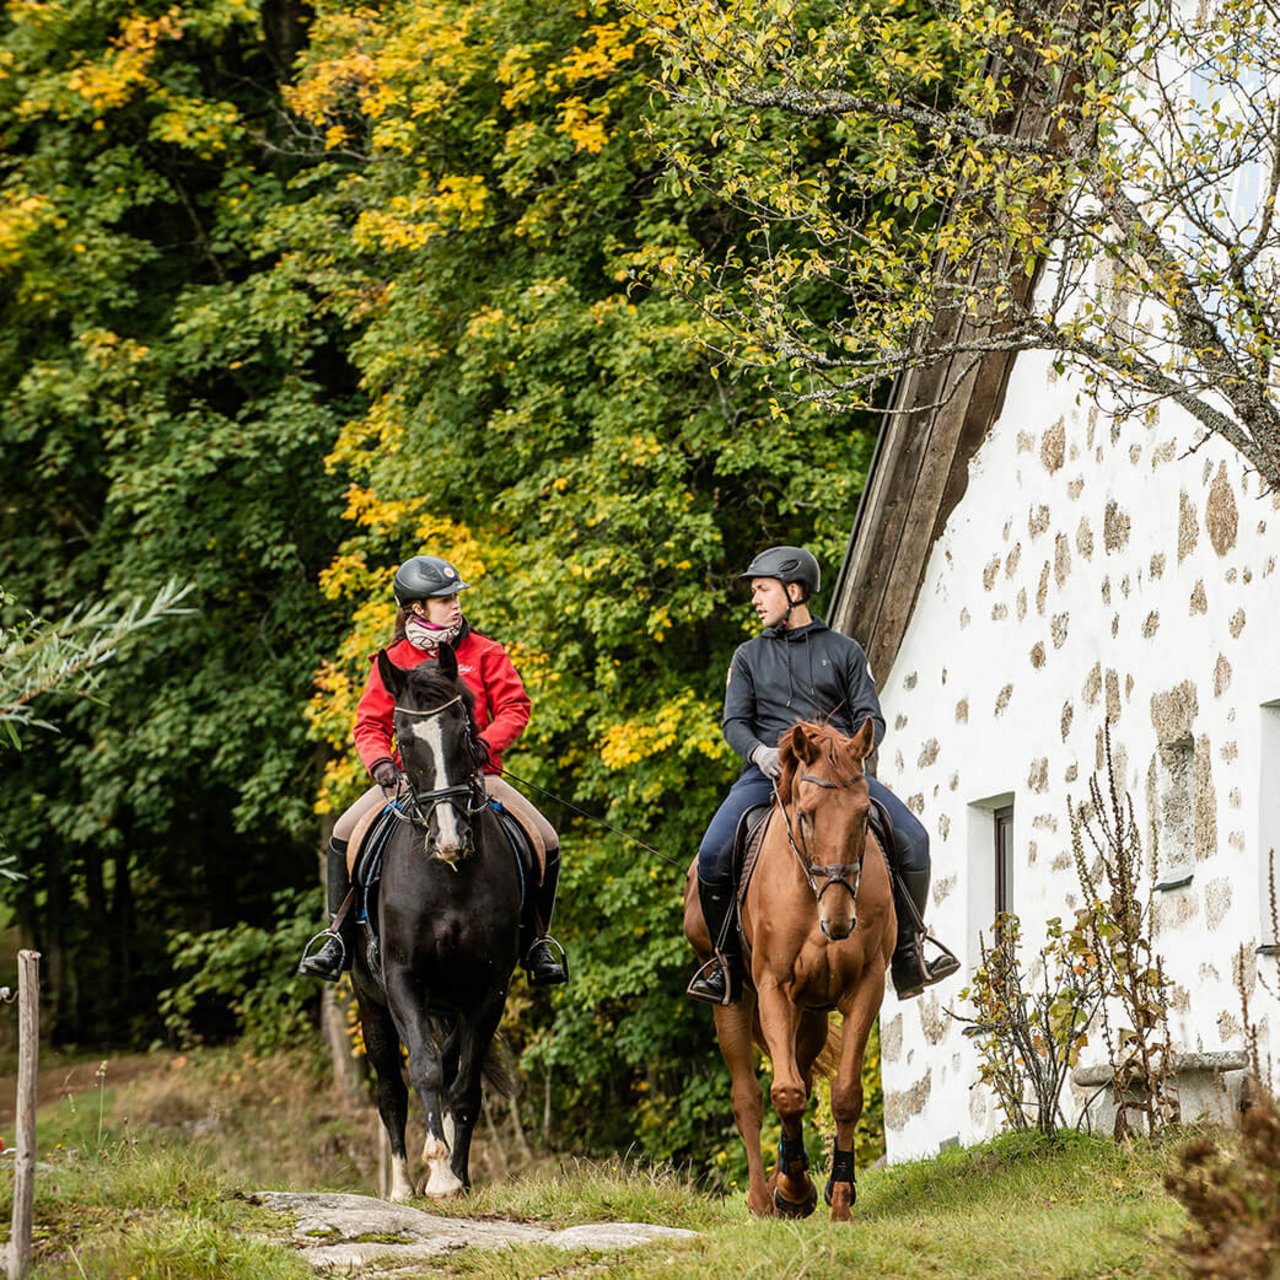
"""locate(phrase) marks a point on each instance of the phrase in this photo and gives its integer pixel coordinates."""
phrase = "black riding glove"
(385, 774)
(483, 753)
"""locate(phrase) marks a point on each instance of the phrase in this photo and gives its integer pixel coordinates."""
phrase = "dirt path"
(59, 1080)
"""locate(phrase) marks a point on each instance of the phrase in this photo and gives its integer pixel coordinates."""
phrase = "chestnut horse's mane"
(838, 750)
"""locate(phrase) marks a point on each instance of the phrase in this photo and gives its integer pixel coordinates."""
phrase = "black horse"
(448, 919)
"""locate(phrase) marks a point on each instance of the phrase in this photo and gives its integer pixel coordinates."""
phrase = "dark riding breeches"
(715, 855)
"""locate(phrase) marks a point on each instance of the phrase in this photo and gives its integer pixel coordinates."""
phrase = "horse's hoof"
(795, 1208)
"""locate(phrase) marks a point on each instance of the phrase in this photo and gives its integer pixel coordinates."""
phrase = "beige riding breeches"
(495, 789)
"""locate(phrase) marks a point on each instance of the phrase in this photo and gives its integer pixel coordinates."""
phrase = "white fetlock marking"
(435, 1149)
(442, 1180)
(401, 1183)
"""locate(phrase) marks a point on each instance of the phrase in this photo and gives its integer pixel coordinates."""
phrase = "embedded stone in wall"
(928, 754)
(1106, 589)
(1236, 625)
(943, 889)
(1011, 560)
(909, 680)
(1113, 696)
(1092, 685)
(1053, 446)
(1199, 601)
(1205, 799)
(989, 573)
(1115, 527)
(1064, 723)
(1175, 909)
(1221, 676)
(1037, 520)
(933, 1020)
(962, 711)
(1058, 629)
(1152, 625)
(900, 1107)
(1002, 699)
(1075, 488)
(1042, 591)
(1037, 655)
(891, 1038)
(1038, 778)
(1061, 559)
(1072, 773)
(1061, 861)
(1174, 711)
(1220, 516)
(1188, 526)
(1217, 901)
(964, 619)
(1163, 453)
(1021, 605)
(999, 612)
(916, 803)
(1084, 538)
(1230, 750)
(944, 823)
(900, 722)
(1135, 454)
(1026, 442)
(1157, 566)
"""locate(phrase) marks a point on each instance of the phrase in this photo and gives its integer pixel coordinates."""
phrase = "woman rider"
(797, 668)
(429, 615)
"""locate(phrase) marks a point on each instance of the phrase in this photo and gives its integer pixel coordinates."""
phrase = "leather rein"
(468, 797)
(836, 873)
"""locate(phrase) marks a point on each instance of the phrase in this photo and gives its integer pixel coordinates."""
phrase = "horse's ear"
(864, 740)
(803, 745)
(392, 676)
(448, 661)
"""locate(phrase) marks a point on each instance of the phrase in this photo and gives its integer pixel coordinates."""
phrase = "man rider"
(797, 668)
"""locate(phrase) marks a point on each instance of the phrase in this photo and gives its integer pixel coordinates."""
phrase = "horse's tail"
(828, 1060)
(499, 1070)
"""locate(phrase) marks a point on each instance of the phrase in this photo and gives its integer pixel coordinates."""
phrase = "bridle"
(848, 875)
(468, 798)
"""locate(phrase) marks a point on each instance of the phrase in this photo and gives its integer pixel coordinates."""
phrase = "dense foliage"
(270, 332)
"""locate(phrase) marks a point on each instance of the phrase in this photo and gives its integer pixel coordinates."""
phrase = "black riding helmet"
(421, 577)
(787, 564)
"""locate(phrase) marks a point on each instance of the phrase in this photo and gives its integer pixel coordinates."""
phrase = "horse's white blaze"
(401, 1183)
(430, 733)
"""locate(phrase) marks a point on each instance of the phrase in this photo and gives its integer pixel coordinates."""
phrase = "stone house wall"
(1095, 571)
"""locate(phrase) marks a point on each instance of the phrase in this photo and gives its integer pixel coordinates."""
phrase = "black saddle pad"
(747, 826)
(520, 846)
(368, 869)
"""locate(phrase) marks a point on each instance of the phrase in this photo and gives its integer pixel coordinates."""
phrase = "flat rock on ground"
(349, 1234)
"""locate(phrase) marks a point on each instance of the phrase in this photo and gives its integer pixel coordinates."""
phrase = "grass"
(147, 1182)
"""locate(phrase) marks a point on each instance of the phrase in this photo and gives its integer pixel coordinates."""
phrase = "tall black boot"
(334, 957)
(912, 972)
(544, 967)
(719, 981)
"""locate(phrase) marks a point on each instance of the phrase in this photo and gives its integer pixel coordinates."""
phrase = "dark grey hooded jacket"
(784, 675)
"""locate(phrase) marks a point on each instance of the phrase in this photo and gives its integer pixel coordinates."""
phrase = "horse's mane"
(831, 743)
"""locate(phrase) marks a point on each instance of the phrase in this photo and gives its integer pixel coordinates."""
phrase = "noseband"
(840, 873)
(468, 797)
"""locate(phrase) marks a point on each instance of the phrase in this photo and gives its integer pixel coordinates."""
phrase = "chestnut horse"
(818, 929)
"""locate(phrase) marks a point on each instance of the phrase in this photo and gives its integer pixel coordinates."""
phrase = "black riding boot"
(912, 972)
(544, 967)
(334, 957)
(719, 981)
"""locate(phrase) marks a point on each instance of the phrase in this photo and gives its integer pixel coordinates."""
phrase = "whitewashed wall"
(1092, 571)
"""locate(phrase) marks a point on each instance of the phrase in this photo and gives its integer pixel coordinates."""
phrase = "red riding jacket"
(501, 703)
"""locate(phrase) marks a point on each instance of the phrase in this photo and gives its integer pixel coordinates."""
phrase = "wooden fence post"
(24, 1160)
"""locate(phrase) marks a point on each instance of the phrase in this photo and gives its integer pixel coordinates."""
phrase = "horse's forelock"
(428, 686)
(832, 745)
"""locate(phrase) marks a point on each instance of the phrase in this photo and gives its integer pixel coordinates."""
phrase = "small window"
(1175, 800)
(1002, 821)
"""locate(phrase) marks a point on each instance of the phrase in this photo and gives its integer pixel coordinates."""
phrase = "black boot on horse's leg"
(335, 956)
(912, 972)
(719, 981)
(544, 967)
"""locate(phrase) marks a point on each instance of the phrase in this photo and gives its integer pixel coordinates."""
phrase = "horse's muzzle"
(839, 930)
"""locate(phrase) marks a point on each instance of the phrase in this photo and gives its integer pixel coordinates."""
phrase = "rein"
(836, 873)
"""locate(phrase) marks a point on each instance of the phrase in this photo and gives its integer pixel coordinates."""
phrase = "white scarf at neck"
(422, 635)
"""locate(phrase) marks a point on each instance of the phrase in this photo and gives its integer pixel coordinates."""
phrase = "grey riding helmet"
(421, 577)
(787, 564)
